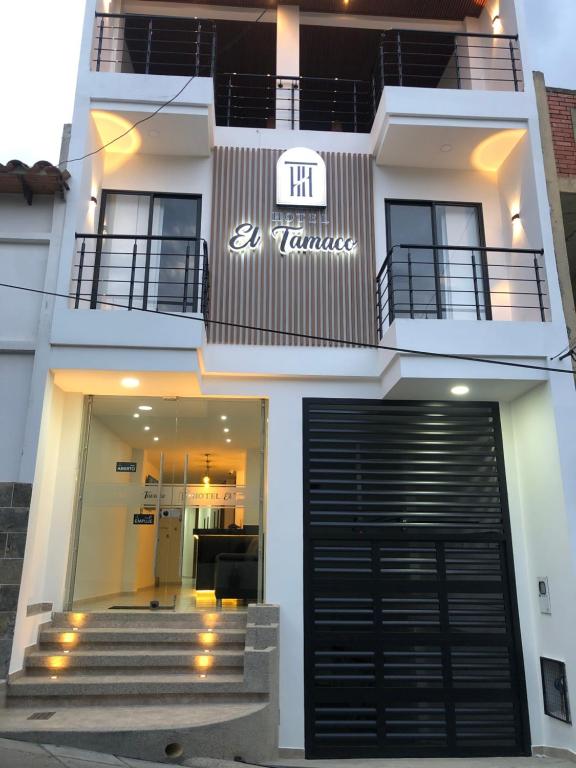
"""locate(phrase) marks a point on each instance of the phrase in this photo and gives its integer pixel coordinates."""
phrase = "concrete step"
(194, 638)
(225, 729)
(191, 620)
(88, 688)
(95, 661)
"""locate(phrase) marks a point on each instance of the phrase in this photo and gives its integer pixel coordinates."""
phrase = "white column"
(287, 65)
(284, 557)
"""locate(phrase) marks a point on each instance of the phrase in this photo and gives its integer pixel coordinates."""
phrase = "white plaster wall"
(440, 186)
(16, 216)
(175, 175)
(51, 511)
(15, 377)
(23, 264)
(517, 187)
(541, 509)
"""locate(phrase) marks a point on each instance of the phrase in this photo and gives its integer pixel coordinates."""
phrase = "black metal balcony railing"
(154, 45)
(448, 60)
(309, 103)
(167, 45)
(459, 282)
(163, 274)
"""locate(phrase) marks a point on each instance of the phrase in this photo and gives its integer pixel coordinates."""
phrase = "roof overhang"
(42, 178)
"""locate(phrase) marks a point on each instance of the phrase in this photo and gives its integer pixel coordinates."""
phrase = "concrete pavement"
(21, 754)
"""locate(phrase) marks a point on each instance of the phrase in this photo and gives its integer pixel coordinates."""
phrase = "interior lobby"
(170, 504)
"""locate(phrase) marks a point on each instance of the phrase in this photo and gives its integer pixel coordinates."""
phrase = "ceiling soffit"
(452, 10)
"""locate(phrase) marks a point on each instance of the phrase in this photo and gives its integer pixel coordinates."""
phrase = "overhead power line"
(306, 336)
(231, 44)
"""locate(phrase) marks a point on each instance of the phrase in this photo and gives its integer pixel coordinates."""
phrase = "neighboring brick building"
(557, 108)
(562, 109)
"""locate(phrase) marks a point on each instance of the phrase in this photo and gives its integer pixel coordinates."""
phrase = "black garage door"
(412, 646)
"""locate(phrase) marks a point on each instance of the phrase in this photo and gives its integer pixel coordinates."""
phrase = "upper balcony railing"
(165, 45)
(153, 45)
(460, 283)
(448, 60)
(308, 103)
(140, 272)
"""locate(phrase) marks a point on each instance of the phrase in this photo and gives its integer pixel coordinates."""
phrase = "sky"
(38, 67)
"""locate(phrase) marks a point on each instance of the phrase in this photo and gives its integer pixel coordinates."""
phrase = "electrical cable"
(308, 336)
(231, 44)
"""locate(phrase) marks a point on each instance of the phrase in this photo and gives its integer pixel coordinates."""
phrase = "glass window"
(150, 253)
(437, 268)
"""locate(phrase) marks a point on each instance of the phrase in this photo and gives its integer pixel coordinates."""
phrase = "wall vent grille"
(555, 689)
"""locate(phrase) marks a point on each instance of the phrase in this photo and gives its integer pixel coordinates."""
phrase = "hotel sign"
(196, 495)
(301, 179)
(292, 246)
(289, 239)
(300, 182)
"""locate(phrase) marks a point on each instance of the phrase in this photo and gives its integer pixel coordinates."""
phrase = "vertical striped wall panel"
(322, 294)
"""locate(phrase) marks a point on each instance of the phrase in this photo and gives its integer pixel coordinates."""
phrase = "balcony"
(460, 283)
(138, 272)
(249, 93)
(307, 103)
(153, 45)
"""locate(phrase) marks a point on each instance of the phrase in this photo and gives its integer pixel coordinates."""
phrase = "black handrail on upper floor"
(460, 282)
(168, 274)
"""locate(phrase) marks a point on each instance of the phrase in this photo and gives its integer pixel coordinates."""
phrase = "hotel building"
(298, 462)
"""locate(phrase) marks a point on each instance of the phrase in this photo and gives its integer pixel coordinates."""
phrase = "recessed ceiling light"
(156, 439)
(223, 418)
(130, 382)
(226, 429)
(144, 407)
(460, 390)
(136, 416)
(228, 440)
(446, 148)
(146, 429)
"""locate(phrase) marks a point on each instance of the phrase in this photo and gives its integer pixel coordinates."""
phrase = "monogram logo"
(301, 179)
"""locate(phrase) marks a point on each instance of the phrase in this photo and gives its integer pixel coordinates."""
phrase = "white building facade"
(299, 357)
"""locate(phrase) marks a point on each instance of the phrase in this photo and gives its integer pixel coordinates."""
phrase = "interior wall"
(103, 528)
(542, 547)
(139, 540)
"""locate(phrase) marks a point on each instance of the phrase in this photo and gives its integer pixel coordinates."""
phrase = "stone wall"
(14, 508)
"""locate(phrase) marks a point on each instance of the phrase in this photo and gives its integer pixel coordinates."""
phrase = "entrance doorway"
(170, 512)
(412, 641)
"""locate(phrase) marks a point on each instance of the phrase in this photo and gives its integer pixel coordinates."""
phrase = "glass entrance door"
(171, 504)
